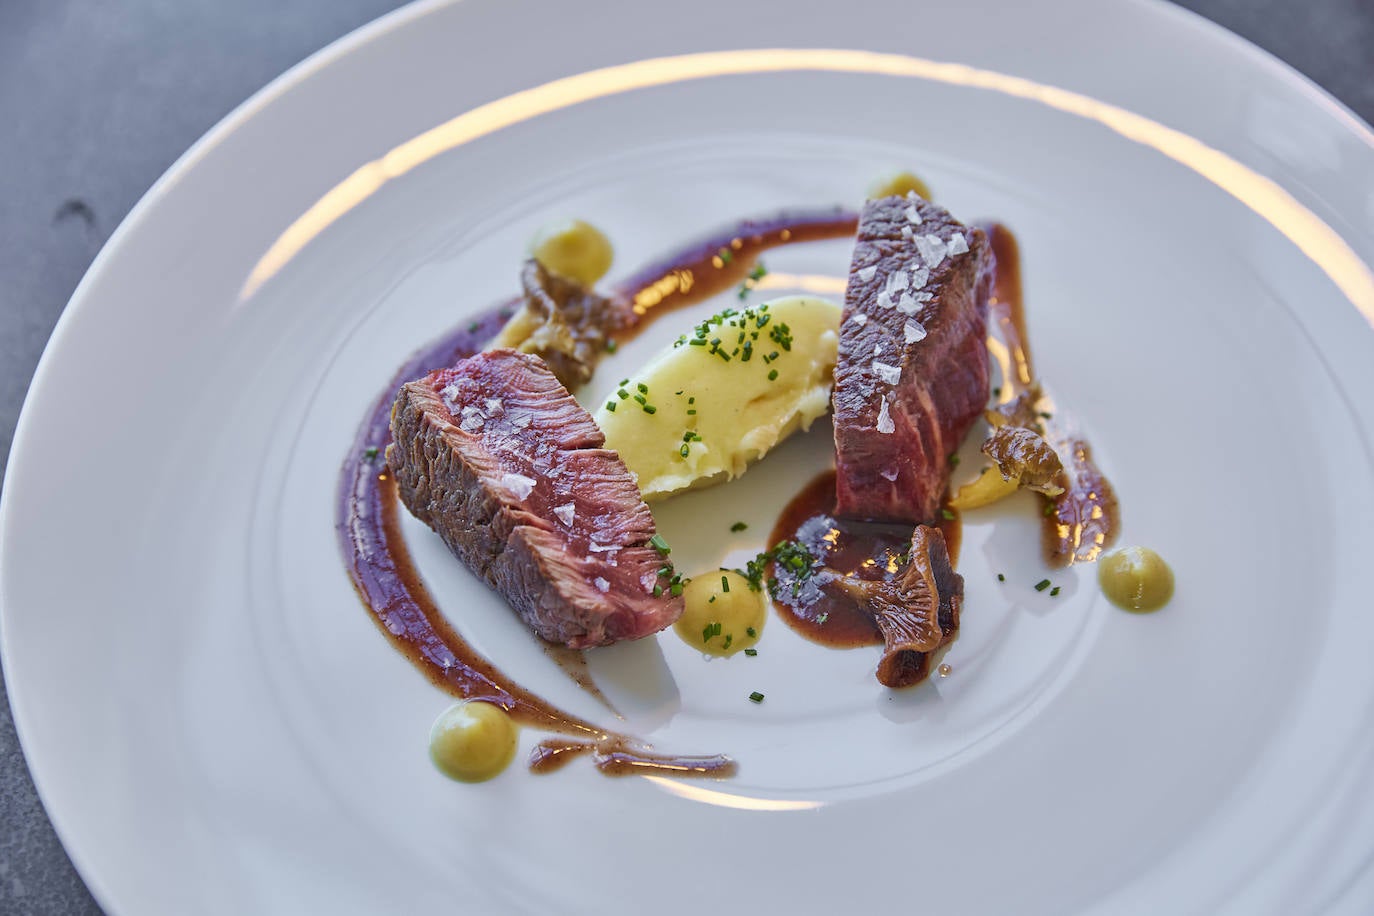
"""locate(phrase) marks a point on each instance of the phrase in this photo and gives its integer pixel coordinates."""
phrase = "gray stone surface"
(97, 99)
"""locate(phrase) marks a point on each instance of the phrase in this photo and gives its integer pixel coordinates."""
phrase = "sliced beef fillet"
(498, 458)
(913, 364)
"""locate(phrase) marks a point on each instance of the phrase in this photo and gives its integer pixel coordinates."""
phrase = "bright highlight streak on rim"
(697, 793)
(1322, 244)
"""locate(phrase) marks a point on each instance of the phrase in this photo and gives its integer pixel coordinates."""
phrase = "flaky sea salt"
(471, 419)
(519, 485)
(956, 244)
(884, 300)
(859, 318)
(919, 276)
(889, 374)
(566, 513)
(867, 273)
(885, 424)
(896, 282)
(494, 407)
(888, 474)
(913, 331)
(913, 214)
(931, 248)
(911, 303)
(601, 584)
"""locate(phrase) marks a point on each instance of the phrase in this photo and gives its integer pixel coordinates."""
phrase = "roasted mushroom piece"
(917, 612)
(563, 323)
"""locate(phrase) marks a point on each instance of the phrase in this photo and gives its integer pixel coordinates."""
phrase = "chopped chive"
(649, 408)
(643, 388)
(751, 632)
(678, 393)
(624, 382)
(1054, 592)
(611, 346)
(658, 591)
(697, 342)
(691, 400)
(822, 618)
(725, 255)
(756, 697)
(684, 451)
(738, 526)
(1046, 415)
(622, 394)
(370, 453)
(675, 589)
(711, 600)
(947, 515)
(1042, 585)
(657, 543)
(691, 413)
(706, 634)
(610, 405)
(729, 638)
(997, 392)
(641, 399)
(772, 375)
(724, 584)
(954, 461)
(474, 326)
(1049, 510)
(751, 652)
(1001, 577)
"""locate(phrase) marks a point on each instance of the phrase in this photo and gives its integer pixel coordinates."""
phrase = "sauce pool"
(813, 601)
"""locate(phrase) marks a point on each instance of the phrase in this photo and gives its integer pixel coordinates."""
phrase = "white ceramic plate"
(216, 726)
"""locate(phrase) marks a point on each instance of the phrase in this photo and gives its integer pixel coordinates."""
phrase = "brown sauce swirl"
(814, 601)
(1085, 519)
(394, 593)
(718, 263)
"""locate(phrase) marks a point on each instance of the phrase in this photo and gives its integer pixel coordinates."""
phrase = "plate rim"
(65, 822)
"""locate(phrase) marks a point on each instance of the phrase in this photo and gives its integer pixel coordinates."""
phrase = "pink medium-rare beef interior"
(498, 458)
(912, 374)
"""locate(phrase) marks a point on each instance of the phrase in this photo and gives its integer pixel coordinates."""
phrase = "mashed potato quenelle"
(724, 394)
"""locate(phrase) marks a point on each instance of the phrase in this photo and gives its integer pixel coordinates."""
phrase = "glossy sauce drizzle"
(1083, 520)
(815, 602)
(392, 590)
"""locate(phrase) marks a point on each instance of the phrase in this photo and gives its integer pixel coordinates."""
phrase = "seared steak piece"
(566, 324)
(498, 458)
(913, 365)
